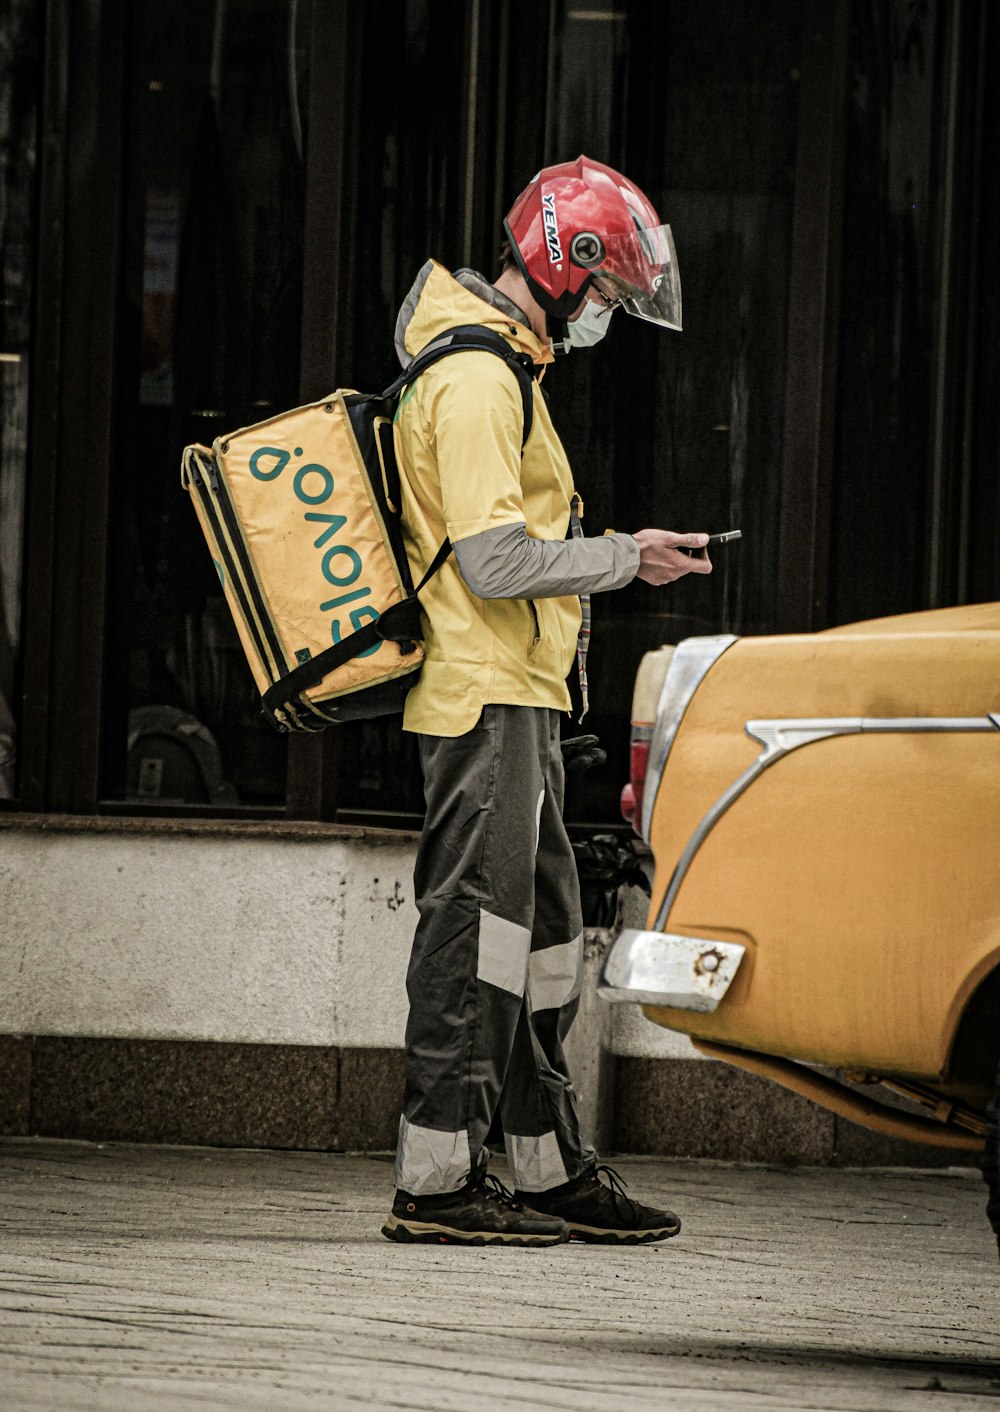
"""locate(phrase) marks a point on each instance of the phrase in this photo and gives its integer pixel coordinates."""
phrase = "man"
(494, 976)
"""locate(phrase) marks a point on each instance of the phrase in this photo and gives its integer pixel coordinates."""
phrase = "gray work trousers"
(494, 977)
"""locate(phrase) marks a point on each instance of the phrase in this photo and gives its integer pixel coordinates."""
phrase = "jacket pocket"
(546, 626)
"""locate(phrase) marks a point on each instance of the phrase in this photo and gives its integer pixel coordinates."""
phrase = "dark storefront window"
(250, 263)
(698, 103)
(18, 141)
(890, 287)
(210, 340)
(915, 521)
(411, 204)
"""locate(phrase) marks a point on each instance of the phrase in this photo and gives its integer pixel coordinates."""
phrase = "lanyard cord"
(583, 636)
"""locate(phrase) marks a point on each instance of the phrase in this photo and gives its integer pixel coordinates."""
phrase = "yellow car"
(823, 811)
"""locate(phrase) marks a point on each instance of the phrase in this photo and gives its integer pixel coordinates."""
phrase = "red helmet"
(582, 223)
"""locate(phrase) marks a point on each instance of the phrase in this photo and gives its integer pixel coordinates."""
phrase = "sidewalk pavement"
(158, 1279)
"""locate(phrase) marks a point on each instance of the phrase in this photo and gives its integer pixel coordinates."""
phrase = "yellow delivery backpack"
(301, 514)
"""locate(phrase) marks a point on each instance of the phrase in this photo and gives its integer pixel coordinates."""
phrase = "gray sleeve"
(506, 563)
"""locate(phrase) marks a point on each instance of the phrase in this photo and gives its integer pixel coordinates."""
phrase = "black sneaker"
(602, 1214)
(483, 1212)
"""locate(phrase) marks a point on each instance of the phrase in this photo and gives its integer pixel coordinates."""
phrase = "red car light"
(631, 800)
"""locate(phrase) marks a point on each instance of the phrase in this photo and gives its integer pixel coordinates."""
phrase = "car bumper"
(664, 968)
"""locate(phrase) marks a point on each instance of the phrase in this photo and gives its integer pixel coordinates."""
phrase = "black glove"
(580, 752)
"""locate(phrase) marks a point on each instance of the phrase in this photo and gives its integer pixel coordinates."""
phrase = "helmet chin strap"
(558, 332)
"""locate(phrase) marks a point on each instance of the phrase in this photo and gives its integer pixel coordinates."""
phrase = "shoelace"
(494, 1190)
(624, 1205)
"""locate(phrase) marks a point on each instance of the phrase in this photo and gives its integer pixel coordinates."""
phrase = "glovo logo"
(340, 565)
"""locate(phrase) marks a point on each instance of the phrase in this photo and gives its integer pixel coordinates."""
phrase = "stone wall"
(244, 985)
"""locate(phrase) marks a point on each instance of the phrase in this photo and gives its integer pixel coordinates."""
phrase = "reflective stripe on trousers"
(494, 976)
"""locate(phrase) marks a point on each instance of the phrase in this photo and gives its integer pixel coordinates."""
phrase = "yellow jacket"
(458, 443)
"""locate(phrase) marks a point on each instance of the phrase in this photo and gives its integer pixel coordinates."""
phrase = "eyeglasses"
(603, 289)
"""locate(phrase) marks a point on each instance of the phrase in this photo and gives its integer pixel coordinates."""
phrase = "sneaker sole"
(427, 1233)
(603, 1235)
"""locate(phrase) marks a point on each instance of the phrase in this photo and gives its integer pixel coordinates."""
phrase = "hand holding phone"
(702, 551)
(664, 555)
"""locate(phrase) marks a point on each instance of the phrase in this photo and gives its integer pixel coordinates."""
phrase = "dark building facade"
(210, 211)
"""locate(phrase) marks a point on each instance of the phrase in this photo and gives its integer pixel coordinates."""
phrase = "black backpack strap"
(311, 673)
(434, 565)
(469, 338)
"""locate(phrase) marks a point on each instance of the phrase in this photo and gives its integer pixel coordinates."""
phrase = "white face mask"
(590, 326)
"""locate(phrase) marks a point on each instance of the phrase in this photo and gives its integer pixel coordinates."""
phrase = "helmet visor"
(639, 272)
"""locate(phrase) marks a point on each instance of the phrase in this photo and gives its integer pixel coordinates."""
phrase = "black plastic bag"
(605, 863)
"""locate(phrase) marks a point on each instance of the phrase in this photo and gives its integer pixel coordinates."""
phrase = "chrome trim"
(779, 738)
(688, 667)
(654, 968)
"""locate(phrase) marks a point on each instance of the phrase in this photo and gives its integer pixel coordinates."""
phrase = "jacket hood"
(437, 302)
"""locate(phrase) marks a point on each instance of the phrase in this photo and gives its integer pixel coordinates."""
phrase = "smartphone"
(712, 539)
